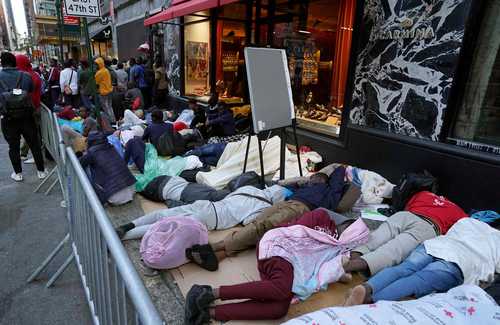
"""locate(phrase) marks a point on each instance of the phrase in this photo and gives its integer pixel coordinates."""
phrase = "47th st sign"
(82, 8)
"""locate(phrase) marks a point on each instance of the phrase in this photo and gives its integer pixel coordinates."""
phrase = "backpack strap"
(4, 85)
(19, 79)
(254, 197)
(70, 78)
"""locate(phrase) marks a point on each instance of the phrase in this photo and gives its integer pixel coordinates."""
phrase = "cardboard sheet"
(243, 268)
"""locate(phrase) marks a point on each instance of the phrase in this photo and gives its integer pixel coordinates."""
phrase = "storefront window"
(231, 41)
(478, 122)
(318, 46)
(197, 55)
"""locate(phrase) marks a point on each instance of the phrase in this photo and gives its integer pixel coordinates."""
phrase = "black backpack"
(246, 179)
(17, 102)
(170, 144)
(409, 185)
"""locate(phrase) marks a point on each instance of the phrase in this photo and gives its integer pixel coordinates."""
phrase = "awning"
(185, 7)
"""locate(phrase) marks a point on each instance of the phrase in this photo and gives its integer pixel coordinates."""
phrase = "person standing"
(86, 84)
(137, 77)
(161, 84)
(23, 63)
(16, 115)
(105, 89)
(121, 78)
(68, 81)
(53, 79)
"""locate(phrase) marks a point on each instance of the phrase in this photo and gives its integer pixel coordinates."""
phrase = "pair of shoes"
(198, 301)
(42, 174)
(29, 161)
(18, 177)
(206, 257)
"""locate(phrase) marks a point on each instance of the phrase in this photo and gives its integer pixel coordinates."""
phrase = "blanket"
(230, 164)
(465, 305)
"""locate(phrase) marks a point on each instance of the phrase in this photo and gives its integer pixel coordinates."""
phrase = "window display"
(197, 56)
(317, 61)
(231, 41)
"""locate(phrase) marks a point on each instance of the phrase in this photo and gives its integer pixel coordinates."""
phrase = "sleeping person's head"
(319, 178)
(157, 116)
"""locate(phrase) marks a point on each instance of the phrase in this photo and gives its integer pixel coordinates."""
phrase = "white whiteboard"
(269, 88)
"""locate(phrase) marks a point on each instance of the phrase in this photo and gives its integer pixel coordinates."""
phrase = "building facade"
(392, 86)
(11, 26)
(4, 34)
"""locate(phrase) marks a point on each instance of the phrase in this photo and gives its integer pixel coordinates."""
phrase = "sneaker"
(18, 177)
(23, 158)
(42, 175)
(30, 161)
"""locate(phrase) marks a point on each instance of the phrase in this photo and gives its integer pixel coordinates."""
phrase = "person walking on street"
(53, 79)
(24, 64)
(105, 89)
(16, 115)
(161, 85)
(69, 84)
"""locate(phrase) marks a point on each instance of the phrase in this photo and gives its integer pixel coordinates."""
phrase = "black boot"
(122, 230)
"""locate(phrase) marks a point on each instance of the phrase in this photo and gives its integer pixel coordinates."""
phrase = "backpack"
(409, 185)
(170, 144)
(247, 179)
(17, 101)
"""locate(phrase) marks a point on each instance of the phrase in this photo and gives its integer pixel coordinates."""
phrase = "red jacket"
(23, 63)
(438, 209)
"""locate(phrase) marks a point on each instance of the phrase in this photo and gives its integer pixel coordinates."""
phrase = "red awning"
(185, 7)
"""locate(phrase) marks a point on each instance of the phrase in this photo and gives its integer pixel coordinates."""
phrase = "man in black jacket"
(19, 120)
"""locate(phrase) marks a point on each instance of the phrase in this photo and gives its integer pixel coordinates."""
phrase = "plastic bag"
(156, 166)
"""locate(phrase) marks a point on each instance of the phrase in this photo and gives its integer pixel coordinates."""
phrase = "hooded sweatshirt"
(24, 64)
(103, 78)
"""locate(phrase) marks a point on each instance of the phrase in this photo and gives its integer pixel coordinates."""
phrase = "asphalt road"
(31, 225)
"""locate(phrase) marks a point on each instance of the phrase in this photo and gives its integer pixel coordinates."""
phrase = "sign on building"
(83, 8)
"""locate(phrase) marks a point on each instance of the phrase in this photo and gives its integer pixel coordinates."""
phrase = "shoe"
(42, 175)
(29, 161)
(18, 177)
(198, 299)
(23, 158)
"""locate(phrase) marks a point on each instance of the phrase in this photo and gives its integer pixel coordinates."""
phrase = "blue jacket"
(155, 130)
(223, 119)
(137, 74)
(109, 172)
(325, 196)
(136, 149)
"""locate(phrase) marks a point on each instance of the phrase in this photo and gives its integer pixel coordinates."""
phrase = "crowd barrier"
(114, 291)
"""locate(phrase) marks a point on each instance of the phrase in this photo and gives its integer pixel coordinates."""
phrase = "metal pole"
(60, 27)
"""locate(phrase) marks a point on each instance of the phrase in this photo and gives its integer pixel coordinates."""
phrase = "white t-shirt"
(471, 244)
(69, 77)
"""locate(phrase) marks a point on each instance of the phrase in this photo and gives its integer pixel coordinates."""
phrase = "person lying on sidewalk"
(135, 151)
(108, 173)
(468, 254)
(241, 206)
(176, 191)
(426, 216)
(319, 191)
(300, 258)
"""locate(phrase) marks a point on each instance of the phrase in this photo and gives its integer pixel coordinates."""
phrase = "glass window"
(197, 56)
(231, 41)
(477, 125)
(318, 57)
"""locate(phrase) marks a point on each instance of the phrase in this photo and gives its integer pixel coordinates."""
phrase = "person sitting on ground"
(157, 128)
(108, 173)
(133, 98)
(220, 122)
(176, 191)
(135, 150)
(426, 216)
(76, 140)
(322, 191)
(301, 257)
(241, 206)
(469, 253)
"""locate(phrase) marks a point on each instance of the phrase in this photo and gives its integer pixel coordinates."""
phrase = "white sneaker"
(30, 161)
(17, 177)
(23, 158)
(42, 175)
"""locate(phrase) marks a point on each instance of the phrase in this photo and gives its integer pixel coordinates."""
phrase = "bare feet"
(358, 296)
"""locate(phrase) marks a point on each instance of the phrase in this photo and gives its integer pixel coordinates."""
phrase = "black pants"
(12, 130)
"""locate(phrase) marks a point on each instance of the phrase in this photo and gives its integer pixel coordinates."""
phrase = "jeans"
(106, 106)
(419, 274)
(86, 102)
(209, 154)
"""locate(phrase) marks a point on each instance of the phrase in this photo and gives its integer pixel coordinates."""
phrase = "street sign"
(83, 8)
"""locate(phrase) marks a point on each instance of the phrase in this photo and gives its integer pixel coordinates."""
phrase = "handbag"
(67, 89)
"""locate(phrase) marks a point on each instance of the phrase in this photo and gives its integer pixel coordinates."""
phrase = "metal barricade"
(108, 275)
(51, 142)
(114, 291)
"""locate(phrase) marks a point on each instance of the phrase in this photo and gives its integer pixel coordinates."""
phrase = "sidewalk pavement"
(31, 225)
